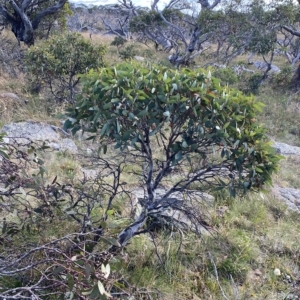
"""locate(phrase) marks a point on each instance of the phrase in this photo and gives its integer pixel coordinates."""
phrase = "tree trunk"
(178, 60)
(22, 26)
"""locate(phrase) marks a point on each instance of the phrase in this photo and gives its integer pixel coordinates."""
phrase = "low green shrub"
(56, 63)
(226, 75)
(128, 52)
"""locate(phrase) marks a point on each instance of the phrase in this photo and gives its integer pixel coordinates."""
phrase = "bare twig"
(217, 276)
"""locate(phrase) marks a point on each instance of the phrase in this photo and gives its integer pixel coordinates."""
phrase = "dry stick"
(235, 289)
(217, 276)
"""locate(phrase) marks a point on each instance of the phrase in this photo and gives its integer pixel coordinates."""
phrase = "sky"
(143, 3)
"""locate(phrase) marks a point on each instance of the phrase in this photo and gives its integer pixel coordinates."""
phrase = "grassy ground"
(249, 239)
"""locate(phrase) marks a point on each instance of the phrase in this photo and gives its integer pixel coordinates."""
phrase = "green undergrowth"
(249, 240)
(281, 114)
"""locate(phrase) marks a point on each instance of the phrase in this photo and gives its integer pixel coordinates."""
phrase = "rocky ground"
(60, 140)
(290, 196)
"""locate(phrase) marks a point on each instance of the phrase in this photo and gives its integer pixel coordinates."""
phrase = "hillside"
(58, 223)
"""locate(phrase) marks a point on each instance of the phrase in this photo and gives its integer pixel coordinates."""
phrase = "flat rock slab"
(290, 196)
(24, 132)
(90, 173)
(286, 149)
(9, 95)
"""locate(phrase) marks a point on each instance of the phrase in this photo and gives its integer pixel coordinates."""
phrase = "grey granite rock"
(13, 96)
(24, 132)
(286, 149)
(290, 196)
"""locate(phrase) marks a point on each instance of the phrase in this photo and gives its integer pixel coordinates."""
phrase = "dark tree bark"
(24, 19)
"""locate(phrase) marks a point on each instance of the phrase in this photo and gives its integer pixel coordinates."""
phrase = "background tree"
(25, 16)
(185, 26)
(172, 27)
(85, 18)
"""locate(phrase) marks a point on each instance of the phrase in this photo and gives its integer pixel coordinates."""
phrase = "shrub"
(208, 132)
(128, 52)
(284, 78)
(56, 63)
(250, 83)
(47, 239)
(226, 75)
(118, 42)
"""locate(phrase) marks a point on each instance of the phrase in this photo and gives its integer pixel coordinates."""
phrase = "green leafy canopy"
(55, 63)
(128, 103)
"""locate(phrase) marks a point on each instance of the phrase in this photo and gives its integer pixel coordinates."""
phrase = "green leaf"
(226, 125)
(111, 241)
(88, 271)
(70, 282)
(118, 126)
(87, 292)
(104, 149)
(101, 287)
(58, 270)
(178, 155)
(4, 154)
(258, 170)
(165, 76)
(142, 113)
(104, 129)
(4, 228)
(110, 212)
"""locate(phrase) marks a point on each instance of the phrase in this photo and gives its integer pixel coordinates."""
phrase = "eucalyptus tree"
(205, 134)
(173, 27)
(236, 27)
(176, 129)
(25, 16)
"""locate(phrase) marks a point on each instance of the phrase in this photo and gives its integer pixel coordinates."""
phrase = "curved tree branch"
(49, 11)
(205, 4)
(175, 27)
(292, 31)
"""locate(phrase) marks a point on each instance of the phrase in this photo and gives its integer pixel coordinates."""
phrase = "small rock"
(139, 58)
(89, 151)
(13, 96)
(277, 272)
(90, 173)
(9, 95)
